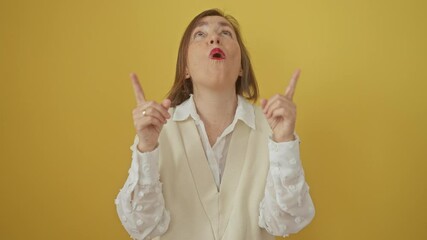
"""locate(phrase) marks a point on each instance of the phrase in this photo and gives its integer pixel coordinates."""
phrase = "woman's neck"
(215, 105)
(216, 110)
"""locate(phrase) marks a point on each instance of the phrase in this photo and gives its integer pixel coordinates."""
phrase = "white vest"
(198, 210)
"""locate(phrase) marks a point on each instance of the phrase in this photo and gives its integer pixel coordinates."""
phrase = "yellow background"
(66, 103)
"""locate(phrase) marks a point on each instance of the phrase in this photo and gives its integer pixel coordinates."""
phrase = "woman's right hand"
(148, 117)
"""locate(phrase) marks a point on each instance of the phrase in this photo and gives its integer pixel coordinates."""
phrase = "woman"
(207, 164)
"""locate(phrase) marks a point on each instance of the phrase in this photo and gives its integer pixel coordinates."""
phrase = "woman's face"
(214, 57)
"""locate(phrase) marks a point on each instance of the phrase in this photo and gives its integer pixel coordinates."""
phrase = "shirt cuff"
(147, 166)
(284, 153)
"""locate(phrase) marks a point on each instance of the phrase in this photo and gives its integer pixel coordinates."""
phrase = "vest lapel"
(233, 168)
(202, 175)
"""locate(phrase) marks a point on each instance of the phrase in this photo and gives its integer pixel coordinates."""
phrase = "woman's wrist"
(285, 138)
(143, 148)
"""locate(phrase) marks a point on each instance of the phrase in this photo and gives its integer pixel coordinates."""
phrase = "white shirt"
(286, 208)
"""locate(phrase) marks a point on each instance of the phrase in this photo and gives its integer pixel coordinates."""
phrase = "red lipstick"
(217, 54)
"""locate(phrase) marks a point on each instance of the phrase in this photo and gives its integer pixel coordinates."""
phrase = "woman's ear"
(187, 74)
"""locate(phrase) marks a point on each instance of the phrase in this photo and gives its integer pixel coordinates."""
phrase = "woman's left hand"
(280, 111)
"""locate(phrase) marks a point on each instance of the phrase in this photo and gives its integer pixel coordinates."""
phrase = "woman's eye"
(199, 34)
(228, 33)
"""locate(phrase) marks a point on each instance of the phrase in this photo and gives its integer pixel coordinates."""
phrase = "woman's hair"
(246, 84)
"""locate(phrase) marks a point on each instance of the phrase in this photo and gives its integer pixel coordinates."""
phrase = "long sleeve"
(287, 206)
(140, 203)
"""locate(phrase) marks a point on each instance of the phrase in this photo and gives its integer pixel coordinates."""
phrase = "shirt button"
(285, 227)
(139, 208)
(285, 207)
(141, 194)
(161, 227)
(139, 222)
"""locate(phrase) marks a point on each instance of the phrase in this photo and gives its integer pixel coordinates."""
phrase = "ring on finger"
(144, 113)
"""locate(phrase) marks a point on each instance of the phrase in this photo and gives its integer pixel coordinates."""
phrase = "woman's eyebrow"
(201, 23)
(222, 24)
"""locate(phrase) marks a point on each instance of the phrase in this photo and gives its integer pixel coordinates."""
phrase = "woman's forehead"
(213, 20)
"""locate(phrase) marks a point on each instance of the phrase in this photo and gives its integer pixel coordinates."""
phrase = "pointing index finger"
(290, 90)
(139, 93)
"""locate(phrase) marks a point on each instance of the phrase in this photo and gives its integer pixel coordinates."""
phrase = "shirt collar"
(244, 111)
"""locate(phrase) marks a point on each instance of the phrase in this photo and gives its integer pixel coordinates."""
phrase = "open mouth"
(217, 54)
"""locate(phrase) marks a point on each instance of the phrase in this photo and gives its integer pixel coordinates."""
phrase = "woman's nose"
(216, 40)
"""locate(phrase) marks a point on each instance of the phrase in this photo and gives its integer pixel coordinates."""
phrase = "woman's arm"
(140, 203)
(287, 206)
